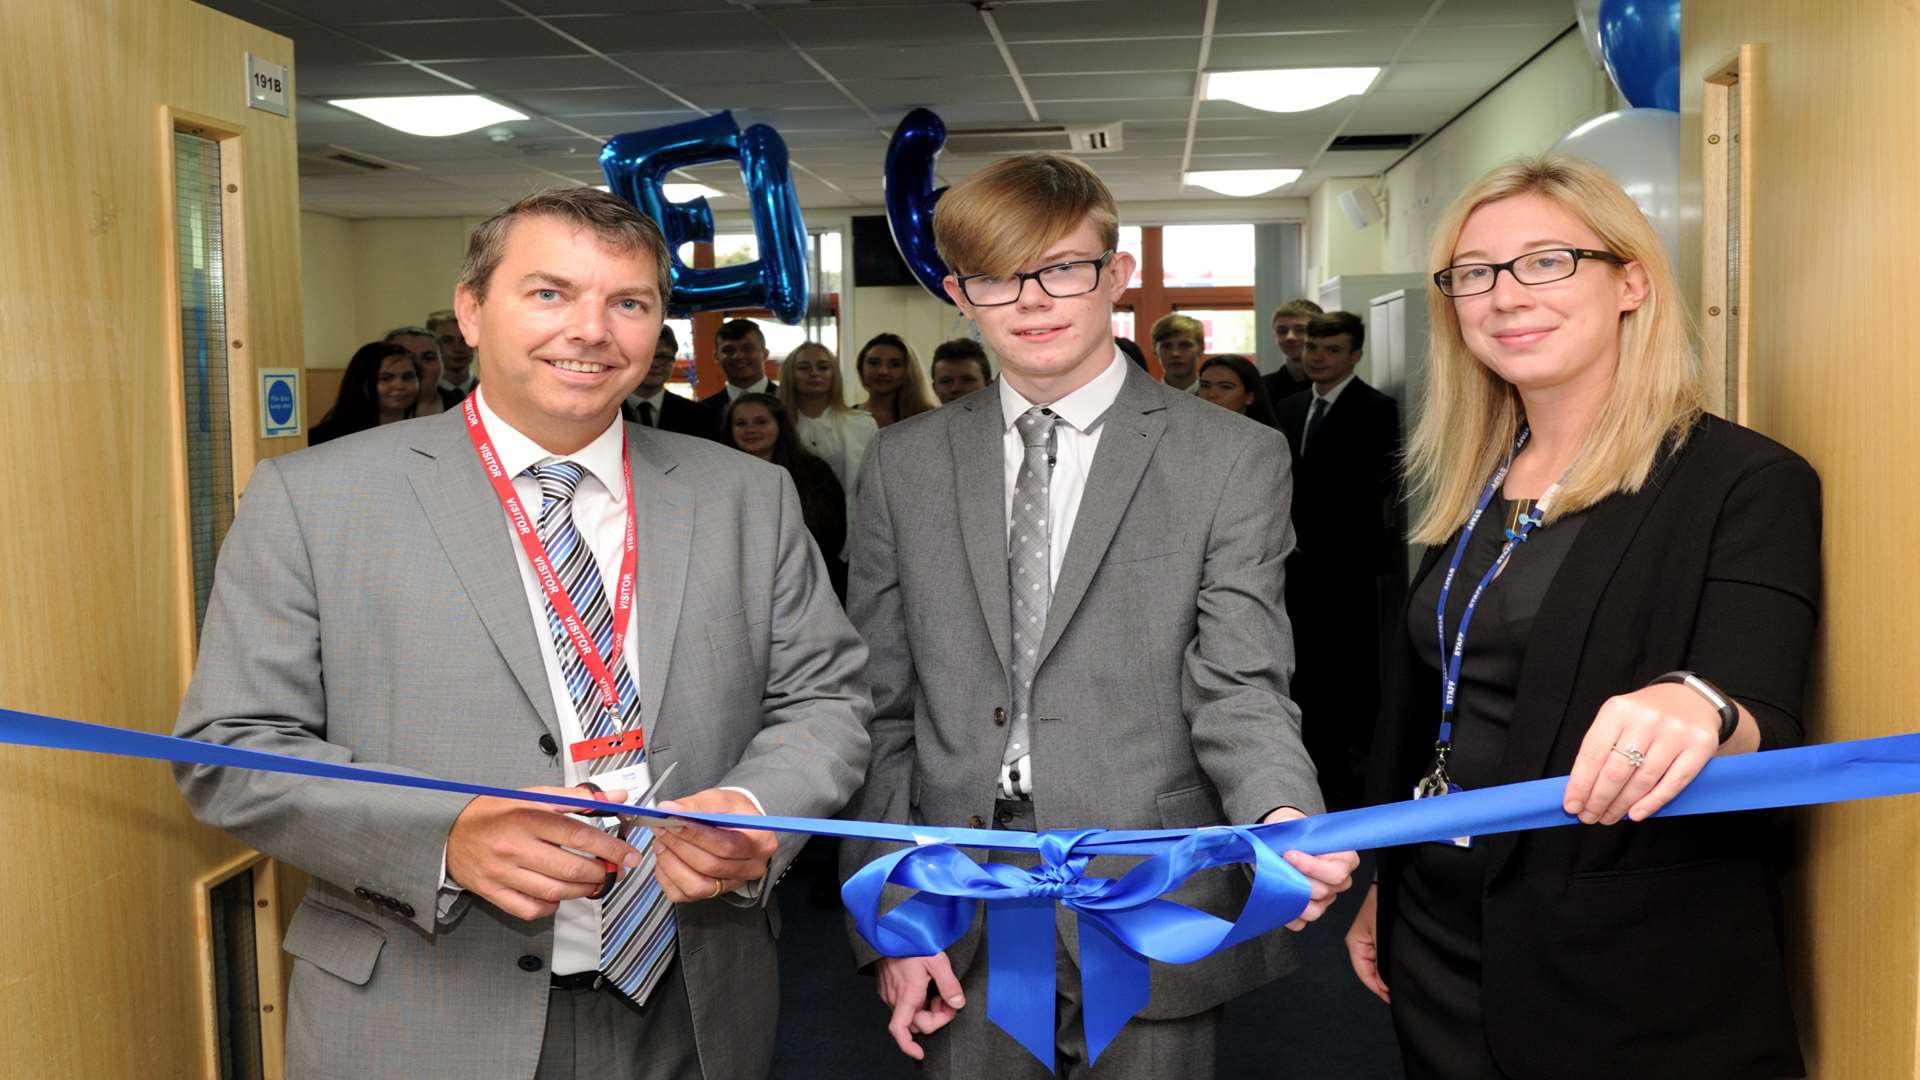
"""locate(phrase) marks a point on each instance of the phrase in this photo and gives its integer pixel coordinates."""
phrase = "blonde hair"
(1011, 213)
(790, 397)
(1470, 415)
(1178, 325)
(915, 396)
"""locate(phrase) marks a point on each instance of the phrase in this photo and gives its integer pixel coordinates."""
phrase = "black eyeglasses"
(1059, 281)
(1533, 268)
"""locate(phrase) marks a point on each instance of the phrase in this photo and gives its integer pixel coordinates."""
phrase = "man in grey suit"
(452, 937)
(1071, 585)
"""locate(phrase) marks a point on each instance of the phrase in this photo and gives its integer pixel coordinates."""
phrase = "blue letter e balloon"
(637, 164)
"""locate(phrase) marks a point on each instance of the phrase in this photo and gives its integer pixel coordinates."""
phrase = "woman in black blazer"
(1656, 608)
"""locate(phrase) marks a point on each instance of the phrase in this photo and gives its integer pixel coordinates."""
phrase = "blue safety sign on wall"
(279, 403)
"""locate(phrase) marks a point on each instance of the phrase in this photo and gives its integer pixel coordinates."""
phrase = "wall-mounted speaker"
(1360, 206)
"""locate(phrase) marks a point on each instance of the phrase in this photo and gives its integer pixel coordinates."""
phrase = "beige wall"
(364, 277)
(99, 960)
(1530, 112)
(1835, 204)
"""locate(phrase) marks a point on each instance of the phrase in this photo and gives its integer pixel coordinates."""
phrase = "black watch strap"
(1729, 712)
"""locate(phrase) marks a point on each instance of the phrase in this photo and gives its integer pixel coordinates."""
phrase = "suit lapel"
(465, 515)
(664, 524)
(979, 463)
(1564, 622)
(1132, 430)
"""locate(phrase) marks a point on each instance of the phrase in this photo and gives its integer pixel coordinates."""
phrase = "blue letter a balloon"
(908, 181)
(637, 164)
(1641, 42)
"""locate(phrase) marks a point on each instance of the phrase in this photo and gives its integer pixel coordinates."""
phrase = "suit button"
(390, 903)
(363, 892)
(405, 910)
(976, 822)
(529, 962)
(999, 717)
(548, 746)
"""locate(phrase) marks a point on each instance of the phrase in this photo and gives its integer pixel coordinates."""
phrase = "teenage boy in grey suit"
(1071, 585)
(452, 937)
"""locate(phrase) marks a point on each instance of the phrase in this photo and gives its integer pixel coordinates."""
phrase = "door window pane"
(1130, 243)
(1229, 330)
(1196, 255)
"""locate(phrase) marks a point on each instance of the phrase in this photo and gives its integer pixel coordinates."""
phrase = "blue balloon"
(910, 196)
(637, 164)
(1640, 40)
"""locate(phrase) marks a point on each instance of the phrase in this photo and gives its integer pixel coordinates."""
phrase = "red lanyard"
(523, 527)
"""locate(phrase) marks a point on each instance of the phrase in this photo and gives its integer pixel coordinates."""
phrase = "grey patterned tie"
(1028, 572)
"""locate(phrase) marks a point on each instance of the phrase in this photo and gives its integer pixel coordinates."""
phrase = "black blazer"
(680, 415)
(1344, 487)
(1652, 949)
(716, 403)
(1282, 384)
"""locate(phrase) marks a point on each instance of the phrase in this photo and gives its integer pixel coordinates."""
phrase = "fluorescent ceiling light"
(1287, 90)
(435, 116)
(683, 192)
(1242, 182)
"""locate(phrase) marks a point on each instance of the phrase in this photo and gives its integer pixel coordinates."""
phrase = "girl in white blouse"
(810, 388)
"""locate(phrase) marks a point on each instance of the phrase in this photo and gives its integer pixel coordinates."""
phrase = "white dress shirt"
(1329, 396)
(840, 439)
(600, 515)
(1076, 438)
(757, 388)
(659, 398)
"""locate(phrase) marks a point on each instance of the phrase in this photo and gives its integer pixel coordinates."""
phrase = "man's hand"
(1330, 875)
(700, 862)
(904, 983)
(511, 853)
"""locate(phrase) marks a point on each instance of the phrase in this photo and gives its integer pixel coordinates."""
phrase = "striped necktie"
(637, 928)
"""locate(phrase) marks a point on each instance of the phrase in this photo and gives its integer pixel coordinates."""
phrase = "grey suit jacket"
(1160, 700)
(367, 607)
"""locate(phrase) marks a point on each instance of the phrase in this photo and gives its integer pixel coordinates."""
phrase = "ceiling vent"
(340, 161)
(1054, 138)
(1374, 142)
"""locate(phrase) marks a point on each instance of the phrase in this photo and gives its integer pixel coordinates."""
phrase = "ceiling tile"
(898, 95)
(903, 61)
(544, 74)
(1358, 47)
(1067, 20)
(575, 103)
(1430, 75)
(473, 40)
(1245, 16)
(870, 26)
(719, 66)
(1172, 53)
(367, 80)
(1106, 112)
(719, 27)
(745, 95)
(1082, 87)
(1512, 44)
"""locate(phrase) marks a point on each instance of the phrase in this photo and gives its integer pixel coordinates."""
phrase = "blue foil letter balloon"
(1640, 40)
(908, 182)
(637, 164)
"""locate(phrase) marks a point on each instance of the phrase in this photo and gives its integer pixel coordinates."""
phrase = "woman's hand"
(1363, 941)
(1674, 730)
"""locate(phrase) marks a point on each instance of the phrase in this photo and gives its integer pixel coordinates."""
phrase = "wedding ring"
(716, 889)
(1632, 753)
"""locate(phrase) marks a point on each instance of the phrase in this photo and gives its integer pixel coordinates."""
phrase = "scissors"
(626, 828)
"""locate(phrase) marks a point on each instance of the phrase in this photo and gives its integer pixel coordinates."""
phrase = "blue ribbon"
(1123, 922)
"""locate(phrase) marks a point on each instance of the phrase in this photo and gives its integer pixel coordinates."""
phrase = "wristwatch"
(1729, 712)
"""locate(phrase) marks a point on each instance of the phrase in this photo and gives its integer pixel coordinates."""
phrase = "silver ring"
(1632, 753)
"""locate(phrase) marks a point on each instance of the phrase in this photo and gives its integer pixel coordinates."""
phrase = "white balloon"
(1587, 14)
(1640, 149)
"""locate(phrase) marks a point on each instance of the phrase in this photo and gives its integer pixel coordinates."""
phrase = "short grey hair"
(613, 219)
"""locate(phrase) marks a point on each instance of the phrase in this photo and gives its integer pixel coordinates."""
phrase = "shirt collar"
(1329, 395)
(757, 388)
(655, 400)
(1082, 408)
(602, 457)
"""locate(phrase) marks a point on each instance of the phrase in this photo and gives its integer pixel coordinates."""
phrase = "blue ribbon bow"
(1123, 922)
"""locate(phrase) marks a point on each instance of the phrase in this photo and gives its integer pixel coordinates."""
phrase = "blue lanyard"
(1450, 659)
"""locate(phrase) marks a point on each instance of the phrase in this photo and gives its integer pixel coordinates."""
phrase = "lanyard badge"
(1437, 781)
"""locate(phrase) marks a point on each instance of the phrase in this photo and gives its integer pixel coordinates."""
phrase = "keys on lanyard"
(1437, 782)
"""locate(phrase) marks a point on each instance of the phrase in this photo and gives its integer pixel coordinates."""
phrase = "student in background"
(960, 367)
(1233, 383)
(381, 386)
(1178, 341)
(424, 347)
(895, 382)
(758, 424)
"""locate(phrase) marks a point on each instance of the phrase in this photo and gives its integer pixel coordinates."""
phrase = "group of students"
(1065, 610)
